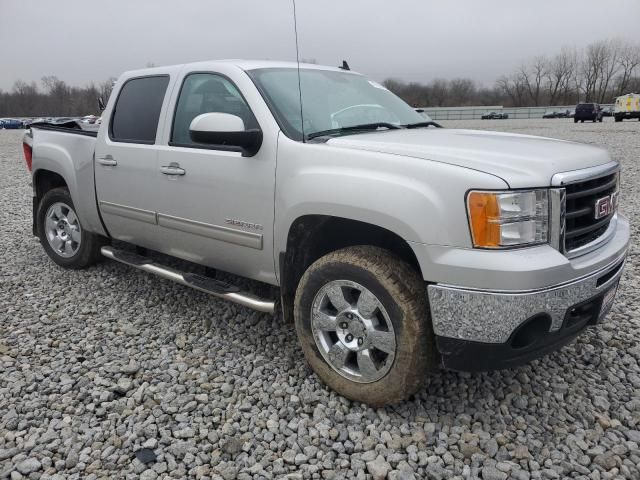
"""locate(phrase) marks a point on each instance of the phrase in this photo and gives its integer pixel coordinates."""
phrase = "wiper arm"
(430, 123)
(353, 128)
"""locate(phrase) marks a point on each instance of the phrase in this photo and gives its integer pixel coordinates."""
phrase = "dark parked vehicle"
(494, 116)
(607, 112)
(556, 114)
(10, 123)
(587, 111)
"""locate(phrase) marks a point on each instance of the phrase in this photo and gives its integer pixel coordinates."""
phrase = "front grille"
(581, 226)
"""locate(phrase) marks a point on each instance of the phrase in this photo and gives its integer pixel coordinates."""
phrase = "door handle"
(172, 169)
(108, 161)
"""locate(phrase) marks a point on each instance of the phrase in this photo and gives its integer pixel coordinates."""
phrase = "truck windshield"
(332, 102)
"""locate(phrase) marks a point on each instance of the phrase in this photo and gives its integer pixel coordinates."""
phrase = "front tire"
(62, 236)
(363, 322)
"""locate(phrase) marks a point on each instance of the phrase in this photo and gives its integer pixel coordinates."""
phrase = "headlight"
(508, 219)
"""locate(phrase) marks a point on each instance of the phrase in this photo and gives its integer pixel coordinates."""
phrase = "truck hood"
(520, 160)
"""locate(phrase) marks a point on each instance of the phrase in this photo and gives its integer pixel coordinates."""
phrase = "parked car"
(587, 111)
(10, 123)
(607, 111)
(551, 114)
(397, 247)
(494, 116)
(1, 123)
(627, 106)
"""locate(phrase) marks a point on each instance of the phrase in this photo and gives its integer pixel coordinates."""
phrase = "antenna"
(295, 29)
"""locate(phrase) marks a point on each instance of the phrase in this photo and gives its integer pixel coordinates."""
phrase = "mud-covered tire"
(88, 251)
(402, 293)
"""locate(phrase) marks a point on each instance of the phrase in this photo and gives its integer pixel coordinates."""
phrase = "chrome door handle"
(108, 161)
(172, 169)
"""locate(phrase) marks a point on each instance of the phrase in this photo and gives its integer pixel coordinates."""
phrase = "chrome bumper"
(491, 316)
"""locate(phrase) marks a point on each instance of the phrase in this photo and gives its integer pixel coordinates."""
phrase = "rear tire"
(62, 236)
(338, 300)
(575, 120)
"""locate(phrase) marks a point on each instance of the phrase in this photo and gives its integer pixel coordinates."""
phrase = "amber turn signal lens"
(484, 213)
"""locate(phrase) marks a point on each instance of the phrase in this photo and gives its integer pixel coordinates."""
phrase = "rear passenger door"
(125, 160)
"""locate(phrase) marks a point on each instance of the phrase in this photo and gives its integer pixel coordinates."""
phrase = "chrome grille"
(581, 225)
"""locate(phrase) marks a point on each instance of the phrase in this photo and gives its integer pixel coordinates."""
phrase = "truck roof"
(242, 64)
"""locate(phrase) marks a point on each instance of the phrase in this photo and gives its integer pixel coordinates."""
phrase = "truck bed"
(68, 127)
(68, 151)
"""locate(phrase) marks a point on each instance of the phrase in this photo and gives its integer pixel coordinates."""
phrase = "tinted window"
(205, 93)
(137, 110)
(587, 107)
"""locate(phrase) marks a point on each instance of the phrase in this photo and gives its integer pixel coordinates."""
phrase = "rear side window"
(135, 116)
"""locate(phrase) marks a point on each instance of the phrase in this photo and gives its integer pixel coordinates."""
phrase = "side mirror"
(225, 129)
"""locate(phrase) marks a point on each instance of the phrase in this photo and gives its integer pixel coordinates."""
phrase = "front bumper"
(483, 329)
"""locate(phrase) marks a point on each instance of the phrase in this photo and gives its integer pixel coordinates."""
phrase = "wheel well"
(43, 181)
(313, 236)
(46, 180)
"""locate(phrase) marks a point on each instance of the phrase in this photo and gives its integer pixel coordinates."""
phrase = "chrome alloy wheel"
(62, 229)
(353, 331)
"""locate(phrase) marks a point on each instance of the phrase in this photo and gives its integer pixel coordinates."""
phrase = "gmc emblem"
(606, 205)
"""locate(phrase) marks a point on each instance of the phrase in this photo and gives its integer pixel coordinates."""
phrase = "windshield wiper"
(430, 123)
(353, 128)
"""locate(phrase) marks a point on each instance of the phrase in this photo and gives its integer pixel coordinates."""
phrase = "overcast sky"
(82, 41)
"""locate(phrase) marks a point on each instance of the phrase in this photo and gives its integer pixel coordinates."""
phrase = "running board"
(199, 282)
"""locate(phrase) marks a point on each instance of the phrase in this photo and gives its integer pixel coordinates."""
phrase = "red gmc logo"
(606, 205)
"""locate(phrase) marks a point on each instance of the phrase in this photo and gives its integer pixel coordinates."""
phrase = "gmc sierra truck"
(398, 246)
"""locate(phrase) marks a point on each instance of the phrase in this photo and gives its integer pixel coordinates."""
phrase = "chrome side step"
(199, 282)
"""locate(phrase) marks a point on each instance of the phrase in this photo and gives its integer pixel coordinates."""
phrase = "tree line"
(52, 98)
(598, 73)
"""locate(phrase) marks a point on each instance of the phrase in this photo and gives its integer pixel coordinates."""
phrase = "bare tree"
(462, 91)
(609, 67)
(558, 76)
(629, 60)
(532, 76)
(514, 88)
(439, 92)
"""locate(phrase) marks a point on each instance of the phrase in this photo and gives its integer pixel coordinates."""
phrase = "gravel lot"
(111, 373)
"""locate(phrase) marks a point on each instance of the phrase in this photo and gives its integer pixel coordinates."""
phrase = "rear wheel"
(363, 322)
(62, 236)
(575, 120)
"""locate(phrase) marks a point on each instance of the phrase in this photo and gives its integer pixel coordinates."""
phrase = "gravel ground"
(111, 373)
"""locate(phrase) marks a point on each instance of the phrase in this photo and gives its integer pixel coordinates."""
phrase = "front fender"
(419, 200)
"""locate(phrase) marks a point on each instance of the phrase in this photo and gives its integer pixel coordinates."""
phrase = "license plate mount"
(607, 302)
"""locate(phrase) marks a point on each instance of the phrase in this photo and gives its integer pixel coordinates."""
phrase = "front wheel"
(363, 322)
(62, 236)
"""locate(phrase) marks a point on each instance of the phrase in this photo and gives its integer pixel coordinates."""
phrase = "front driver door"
(215, 206)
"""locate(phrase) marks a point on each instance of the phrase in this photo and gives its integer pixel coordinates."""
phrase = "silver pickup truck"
(398, 246)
